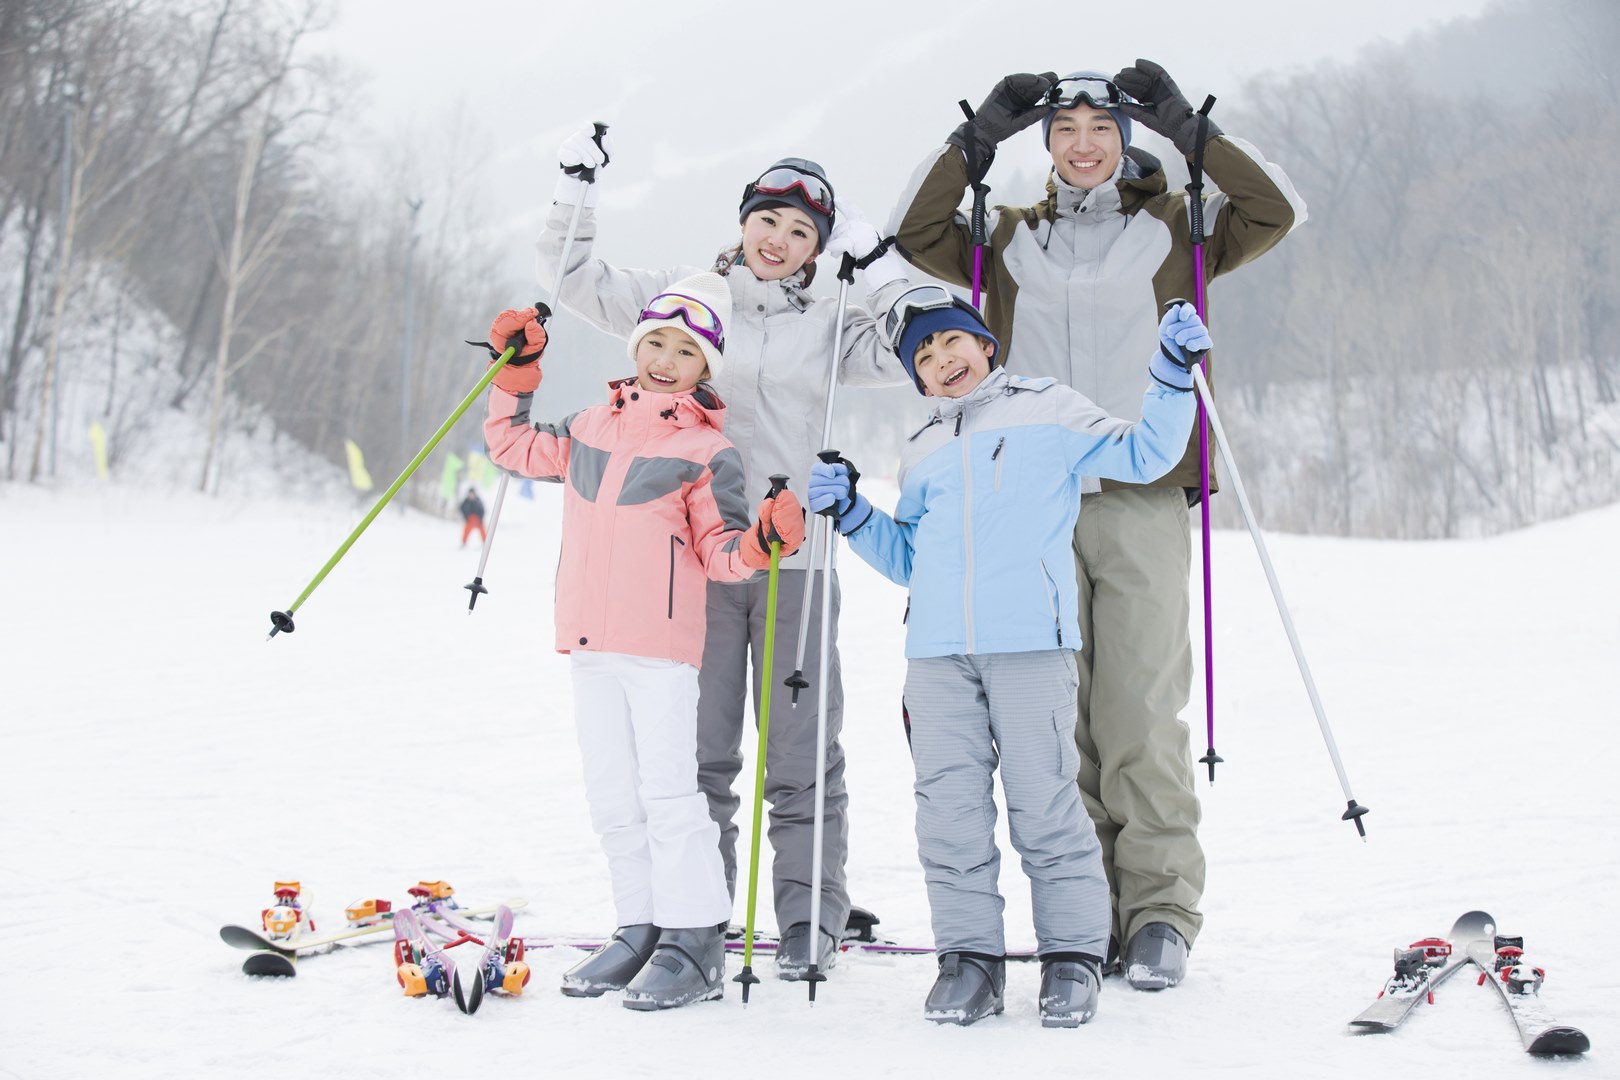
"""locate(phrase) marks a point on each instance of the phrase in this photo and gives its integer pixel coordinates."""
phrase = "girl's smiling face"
(669, 361)
(777, 241)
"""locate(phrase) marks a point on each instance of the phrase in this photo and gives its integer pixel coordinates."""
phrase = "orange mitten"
(780, 518)
(520, 327)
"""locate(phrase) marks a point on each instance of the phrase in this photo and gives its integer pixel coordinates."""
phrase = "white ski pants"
(636, 719)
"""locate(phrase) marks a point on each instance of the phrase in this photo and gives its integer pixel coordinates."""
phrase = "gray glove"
(1163, 108)
(1015, 103)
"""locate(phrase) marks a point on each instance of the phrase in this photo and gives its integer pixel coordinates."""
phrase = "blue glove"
(830, 492)
(1183, 340)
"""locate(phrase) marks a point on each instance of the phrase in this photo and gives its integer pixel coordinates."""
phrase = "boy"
(989, 494)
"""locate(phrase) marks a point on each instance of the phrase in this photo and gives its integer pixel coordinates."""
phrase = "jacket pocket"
(1049, 583)
(673, 540)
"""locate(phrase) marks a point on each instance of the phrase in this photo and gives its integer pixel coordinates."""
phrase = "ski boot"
(287, 918)
(1068, 992)
(970, 986)
(793, 952)
(612, 966)
(1155, 958)
(688, 965)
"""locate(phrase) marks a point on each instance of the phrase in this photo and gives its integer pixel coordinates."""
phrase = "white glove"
(578, 153)
(852, 234)
(886, 268)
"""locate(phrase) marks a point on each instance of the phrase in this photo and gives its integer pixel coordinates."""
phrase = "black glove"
(1163, 108)
(1016, 102)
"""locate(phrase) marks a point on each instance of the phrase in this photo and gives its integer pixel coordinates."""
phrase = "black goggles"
(912, 302)
(783, 179)
(1084, 89)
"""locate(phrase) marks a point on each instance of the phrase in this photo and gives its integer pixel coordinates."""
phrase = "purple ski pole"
(1195, 211)
(980, 190)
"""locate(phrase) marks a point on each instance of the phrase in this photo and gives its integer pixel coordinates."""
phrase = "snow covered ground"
(164, 764)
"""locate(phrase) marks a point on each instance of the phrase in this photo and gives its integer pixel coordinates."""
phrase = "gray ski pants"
(1134, 552)
(734, 651)
(967, 714)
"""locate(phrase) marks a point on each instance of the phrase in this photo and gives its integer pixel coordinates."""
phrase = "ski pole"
(589, 177)
(1353, 810)
(283, 620)
(1195, 212)
(980, 190)
(747, 977)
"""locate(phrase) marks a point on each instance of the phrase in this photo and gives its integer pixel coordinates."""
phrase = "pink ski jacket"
(654, 506)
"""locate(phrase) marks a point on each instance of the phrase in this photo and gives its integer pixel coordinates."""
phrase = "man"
(1074, 288)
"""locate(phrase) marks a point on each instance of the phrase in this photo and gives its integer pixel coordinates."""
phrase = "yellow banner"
(98, 443)
(357, 467)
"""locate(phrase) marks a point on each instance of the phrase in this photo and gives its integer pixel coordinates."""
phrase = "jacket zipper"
(673, 540)
(995, 456)
(967, 537)
(1051, 601)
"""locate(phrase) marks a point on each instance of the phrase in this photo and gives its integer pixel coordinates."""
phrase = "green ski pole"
(283, 620)
(747, 976)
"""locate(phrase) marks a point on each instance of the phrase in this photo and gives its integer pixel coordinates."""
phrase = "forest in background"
(1431, 355)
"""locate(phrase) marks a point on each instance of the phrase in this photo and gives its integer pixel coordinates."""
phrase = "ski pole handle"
(589, 175)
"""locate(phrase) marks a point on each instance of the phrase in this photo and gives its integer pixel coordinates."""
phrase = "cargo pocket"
(673, 540)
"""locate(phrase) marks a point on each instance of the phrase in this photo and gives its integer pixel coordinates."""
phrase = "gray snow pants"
(1134, 553)
(734, 651)
(967, 713)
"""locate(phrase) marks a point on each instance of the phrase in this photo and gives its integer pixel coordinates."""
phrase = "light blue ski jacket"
(989, 493)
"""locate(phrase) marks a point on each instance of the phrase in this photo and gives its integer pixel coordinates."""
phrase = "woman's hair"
(732, 255)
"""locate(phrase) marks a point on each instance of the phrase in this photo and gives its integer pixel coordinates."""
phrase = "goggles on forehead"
(914, 301)
(783, 179)
(1084, 89)
(698, 316)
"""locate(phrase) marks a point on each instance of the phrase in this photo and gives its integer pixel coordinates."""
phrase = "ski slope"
(164, 764)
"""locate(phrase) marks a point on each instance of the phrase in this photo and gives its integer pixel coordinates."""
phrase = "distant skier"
(775, 386)
(472, 512)
(654, 506)
(989, 493)
(1074, 286)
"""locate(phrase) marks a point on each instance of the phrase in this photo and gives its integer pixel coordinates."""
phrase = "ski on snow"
(1425, 965)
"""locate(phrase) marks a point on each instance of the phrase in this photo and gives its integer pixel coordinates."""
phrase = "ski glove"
(1162, 106)
(1014, 104)
(831, 487)
(851, 233)
(578, 155)
(521, 375)
(1183, 340)
(781, 518)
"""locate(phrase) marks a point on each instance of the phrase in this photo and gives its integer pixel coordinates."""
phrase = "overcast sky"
(702, 95)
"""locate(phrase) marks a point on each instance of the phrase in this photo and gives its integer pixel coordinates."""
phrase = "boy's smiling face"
(952, 362)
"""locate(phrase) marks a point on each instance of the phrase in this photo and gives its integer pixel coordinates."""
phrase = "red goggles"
(815, 191)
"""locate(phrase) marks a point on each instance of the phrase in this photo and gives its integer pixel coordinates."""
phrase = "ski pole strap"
(976, 168)
(1195, 174)
(833, 457)
(875, 254)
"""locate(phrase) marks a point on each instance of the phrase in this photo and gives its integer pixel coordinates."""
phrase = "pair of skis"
(423, 966)
(1422, 967)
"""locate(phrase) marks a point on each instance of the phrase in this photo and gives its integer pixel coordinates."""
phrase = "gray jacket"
(778, 347)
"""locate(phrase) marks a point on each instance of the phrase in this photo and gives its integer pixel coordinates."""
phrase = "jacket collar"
(1138, 178)
(689, 408)
(744, 284)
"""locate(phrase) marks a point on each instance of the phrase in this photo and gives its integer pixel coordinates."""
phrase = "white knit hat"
(708, 289)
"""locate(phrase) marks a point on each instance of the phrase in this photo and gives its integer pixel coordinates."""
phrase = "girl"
(775, 385)
(654, 504)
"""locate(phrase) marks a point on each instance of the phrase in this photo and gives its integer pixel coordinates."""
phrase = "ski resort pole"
(1195, 213)
(589, 177)
(283, 620)
(1353, 810)
(747, 977)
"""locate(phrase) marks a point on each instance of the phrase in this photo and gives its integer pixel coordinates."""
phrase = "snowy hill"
(166, 764)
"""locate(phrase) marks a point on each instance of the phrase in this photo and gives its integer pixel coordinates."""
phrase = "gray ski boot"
(968, 988)
(793, 952)
(688, 965)
(1156, 957)
(1068, 992)
(612, 966)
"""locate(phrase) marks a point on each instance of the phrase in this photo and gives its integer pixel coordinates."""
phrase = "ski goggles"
(913, 302)
(1084, 89)
(816, 192)
(698, 316)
